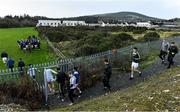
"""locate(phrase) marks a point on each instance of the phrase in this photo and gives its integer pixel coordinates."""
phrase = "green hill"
(126, 16)
(116, 17)
(161, 92)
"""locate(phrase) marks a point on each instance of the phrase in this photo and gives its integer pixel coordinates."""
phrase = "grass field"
(8, 42)
(160, 92)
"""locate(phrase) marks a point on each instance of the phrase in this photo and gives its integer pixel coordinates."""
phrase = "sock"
(132, 75)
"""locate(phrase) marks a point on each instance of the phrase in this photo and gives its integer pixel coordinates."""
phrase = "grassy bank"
(157, 93)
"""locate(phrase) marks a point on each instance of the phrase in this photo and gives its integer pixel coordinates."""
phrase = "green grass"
(160, 92)
(8, 42)
(149, 60)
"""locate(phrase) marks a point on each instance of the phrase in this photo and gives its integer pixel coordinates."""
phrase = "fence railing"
(68, 64)
(89, 65)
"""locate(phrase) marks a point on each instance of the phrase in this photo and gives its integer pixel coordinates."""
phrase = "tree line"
(10, 21)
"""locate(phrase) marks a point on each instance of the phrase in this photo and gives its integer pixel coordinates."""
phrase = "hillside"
(116, 17)
(126, 16)
(156, 93)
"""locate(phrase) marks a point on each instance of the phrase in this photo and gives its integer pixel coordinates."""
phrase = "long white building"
(57, 23)
(74, 23)
(52, 23)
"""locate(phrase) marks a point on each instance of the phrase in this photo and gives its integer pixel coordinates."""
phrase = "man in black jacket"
(173, 50)
(61, 79)
(107, 74)
(21, 64)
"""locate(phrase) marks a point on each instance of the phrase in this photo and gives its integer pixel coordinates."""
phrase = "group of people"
(67, 82)
(70, 82)
(73, 79)
(9, 62)
(167, 54)
(30, 43)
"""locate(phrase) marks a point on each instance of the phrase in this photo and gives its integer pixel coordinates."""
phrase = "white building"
(74, 23)
(144, 24)
(52, 23)
(56, 23)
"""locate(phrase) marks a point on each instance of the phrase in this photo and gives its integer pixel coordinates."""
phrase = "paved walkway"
(118, 81)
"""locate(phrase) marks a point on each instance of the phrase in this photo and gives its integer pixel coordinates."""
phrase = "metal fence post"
(45, 87)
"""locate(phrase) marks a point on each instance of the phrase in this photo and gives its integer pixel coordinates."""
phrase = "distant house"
(52, 23)
(57, 23)
(74, 23)
(143, 24)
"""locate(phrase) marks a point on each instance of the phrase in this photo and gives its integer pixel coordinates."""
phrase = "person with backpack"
(61, 78)
(135, 63)
(10, 64)
(77, 75)
(4, 57)
(164, 50)
(21, 64)
(72, 87)
(172, 51)
(107, 74)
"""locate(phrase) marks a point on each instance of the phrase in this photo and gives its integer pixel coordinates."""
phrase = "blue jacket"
(10, 62)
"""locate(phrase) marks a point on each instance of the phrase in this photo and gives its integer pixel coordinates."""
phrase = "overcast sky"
(69, 8)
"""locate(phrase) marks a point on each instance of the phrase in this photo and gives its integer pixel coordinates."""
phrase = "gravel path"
(118, 81)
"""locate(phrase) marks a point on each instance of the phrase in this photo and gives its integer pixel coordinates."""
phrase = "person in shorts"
(4, 57)
(50, 78)
(135, 63)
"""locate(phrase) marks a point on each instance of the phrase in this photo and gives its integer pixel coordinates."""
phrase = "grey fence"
(90, 66)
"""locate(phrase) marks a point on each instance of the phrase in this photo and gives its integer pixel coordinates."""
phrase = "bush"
(124, 37)
(151, 36)
(24, 94)
(120, 40)
(87, 50)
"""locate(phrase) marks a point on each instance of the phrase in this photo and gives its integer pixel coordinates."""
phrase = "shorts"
(49, 80)
(4, 59)
(135, 65)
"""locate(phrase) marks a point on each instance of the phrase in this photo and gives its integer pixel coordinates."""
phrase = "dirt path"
(118, 81)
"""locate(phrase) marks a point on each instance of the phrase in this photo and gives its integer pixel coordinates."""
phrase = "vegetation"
(8, 42)
(19, 21)
(81, 41)
(151, 36)
(157, 93)
(89, 40)
(24, 93)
